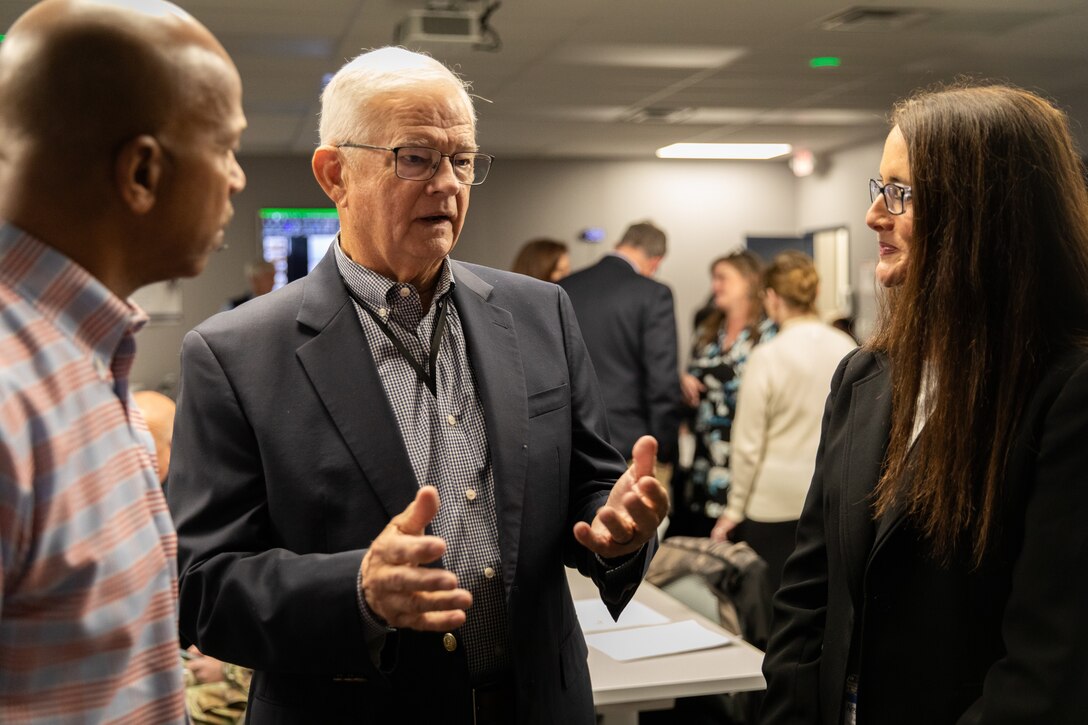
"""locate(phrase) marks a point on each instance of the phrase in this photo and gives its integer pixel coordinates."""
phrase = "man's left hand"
(635, 508)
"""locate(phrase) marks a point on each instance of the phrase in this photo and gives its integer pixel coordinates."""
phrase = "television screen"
(295, 240)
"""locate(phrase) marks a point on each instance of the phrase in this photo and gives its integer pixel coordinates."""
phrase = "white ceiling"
(620, 78)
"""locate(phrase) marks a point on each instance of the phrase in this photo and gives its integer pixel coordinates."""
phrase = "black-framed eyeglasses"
(895, 195)
(420, 163)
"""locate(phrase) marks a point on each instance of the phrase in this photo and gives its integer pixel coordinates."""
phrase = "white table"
(622, 689)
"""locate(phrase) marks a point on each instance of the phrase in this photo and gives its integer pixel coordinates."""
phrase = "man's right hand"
(396, 585)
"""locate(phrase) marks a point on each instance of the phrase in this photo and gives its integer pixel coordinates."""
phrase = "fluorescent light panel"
(651, 55)
(723, 150)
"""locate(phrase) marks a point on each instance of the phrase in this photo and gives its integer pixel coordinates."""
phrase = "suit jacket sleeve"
(1045, 628)
(662, 375)
(593, 470)
(302, 611)
(792, 664)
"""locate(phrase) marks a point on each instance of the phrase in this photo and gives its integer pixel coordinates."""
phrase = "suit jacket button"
(449, 642)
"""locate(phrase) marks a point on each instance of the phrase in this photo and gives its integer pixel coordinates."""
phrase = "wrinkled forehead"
(424, 107)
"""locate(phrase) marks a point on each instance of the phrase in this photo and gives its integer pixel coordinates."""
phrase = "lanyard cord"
(430, 379)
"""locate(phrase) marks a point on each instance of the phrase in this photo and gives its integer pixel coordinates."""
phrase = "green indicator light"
(825, 61)
(2, 36)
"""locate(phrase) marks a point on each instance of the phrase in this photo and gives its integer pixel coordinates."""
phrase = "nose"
(237, 176)
(444, 180)
(878, 218)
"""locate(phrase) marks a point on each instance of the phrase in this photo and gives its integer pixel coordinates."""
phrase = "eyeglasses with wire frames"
(895, 195)
(420, 163)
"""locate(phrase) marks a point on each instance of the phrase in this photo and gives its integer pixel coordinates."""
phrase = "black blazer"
(630, 329)
(1004, 643)
(287, 462)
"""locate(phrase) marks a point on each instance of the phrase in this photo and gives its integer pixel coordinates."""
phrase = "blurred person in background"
(939, 570)
(719, 355)
(777, 426)
(215, 691)
(158, 412)
(629, 324)
(261, 277)
(544, 259)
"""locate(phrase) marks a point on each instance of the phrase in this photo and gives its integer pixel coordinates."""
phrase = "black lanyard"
(430, 379)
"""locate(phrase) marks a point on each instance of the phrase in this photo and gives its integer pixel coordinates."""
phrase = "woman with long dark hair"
(940, 568)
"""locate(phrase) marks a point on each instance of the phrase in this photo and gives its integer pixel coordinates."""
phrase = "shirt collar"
(65, 293)
(379, 291)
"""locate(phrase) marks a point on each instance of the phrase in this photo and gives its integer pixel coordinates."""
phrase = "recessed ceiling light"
(723, 150)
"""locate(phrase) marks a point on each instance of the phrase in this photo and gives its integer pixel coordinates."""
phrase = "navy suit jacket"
(630, 329)
(288, 462)
(1001, 643)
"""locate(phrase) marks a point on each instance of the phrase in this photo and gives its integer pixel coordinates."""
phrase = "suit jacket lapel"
(500, 379)
(339, 364)
(869, 425)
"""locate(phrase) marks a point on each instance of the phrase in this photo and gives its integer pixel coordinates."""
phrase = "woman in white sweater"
(779, 409)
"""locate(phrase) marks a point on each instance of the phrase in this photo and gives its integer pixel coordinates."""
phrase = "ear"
(329, 172)
(138, 172)
(652, 263)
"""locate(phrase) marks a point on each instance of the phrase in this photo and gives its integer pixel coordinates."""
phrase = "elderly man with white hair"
(375, 510)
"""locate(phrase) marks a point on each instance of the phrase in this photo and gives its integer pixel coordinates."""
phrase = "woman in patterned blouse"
(722, 345)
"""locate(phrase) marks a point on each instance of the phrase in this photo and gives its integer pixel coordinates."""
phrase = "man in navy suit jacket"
(320, 426)
(630, 329)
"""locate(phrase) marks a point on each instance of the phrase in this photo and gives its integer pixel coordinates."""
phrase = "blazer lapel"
(500, 379)
(340, 367)
(869, 426)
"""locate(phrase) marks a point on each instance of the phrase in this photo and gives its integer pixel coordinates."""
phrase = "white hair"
(347, 109)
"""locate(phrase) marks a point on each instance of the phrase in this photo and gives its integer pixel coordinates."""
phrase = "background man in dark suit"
(630, 329)
(306, 479)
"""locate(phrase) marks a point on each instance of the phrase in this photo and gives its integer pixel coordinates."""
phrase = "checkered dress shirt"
(446, 439)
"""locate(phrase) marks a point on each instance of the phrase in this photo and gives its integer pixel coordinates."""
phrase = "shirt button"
(383, 312)
(405, 291)
(449, 642)
(470, 494)
(489, 572)
(451, 419)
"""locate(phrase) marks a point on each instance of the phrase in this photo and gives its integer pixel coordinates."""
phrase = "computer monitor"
(295, 240)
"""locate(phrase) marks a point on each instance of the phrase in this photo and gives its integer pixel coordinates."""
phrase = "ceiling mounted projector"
(440, 26)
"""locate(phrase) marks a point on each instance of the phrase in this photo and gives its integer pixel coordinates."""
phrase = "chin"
(890, 275)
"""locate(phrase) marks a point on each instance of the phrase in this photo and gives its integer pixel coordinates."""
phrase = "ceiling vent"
(863, 19)
(439, 26)
(657, 114)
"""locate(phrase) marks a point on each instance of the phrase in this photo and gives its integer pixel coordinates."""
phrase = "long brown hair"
(996, 286)
(750, 267)
(538, 258)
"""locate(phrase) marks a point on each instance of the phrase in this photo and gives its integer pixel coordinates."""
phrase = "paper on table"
(594, 616)
(654, 641)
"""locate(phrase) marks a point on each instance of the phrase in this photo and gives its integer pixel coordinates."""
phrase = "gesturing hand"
(635, 507)
(401, 591)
